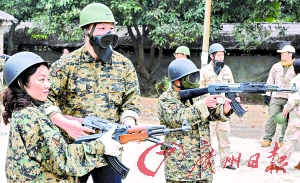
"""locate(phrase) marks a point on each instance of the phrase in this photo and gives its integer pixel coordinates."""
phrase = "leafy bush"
(162, 85)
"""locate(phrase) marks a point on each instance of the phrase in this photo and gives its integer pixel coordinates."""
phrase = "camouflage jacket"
(293, 104)
(193, 159)
(276, 77)
(82, 86)
(208, 75)
(37, 151)
(2, 61)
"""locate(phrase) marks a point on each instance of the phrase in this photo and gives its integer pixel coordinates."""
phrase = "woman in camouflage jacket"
(37, 152)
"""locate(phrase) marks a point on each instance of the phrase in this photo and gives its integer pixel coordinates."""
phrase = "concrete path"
(245, 142)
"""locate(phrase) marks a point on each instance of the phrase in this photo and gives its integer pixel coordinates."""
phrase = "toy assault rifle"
(230, 90)
(124, 134)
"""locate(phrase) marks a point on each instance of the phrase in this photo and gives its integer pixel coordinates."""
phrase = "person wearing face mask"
(281, 75)
(37, 151)
(94, 80)
(191, 159)
(217, 72)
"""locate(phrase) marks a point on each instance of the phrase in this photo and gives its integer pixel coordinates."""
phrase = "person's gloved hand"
(111, 147)
(267, 99)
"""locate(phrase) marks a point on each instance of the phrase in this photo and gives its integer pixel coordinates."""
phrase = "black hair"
(296, 66)
(293, 55)
(14, 97)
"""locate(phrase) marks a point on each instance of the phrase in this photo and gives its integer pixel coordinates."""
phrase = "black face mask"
(218, 65)
(103, 45)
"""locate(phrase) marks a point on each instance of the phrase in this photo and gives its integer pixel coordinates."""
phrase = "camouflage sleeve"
(2, 61)
(45, 144)
(217, 114)
(58, 79)
(294, 98)
(212, 114)
(172, 112)
(131, 106)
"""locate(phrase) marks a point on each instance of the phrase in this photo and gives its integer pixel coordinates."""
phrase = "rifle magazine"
(118, 167)
(236, 107)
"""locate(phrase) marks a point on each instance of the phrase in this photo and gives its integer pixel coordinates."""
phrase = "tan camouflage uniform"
(198, 163)
(280, 76)
(37, 152)
(82, 86)
(221, 129)
(292, 133)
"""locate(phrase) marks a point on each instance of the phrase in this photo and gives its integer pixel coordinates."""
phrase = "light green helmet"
(184, 50)
(96, 12)
(279, 119)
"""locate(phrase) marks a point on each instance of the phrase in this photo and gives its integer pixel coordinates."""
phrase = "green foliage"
(162, 85)
(250, 35)
(170, 23)
(39, 36)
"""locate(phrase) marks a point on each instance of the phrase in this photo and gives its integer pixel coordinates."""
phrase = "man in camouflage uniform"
(2, 61)
(182, 52)
(192, 159)
(94, 80)
(280, 74)
(217, 72)
(292, 133)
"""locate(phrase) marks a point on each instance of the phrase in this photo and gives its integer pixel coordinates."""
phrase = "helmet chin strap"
(90, 35)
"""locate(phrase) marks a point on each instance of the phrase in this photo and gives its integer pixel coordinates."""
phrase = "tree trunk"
(145, 71)
(10, 49)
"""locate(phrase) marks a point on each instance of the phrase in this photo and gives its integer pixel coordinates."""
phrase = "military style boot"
(297, 166)
(266, 143)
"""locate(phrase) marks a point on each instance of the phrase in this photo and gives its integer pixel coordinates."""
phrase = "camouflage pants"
(198, 181)
(276, 105)
(291, 138)
(222, 131)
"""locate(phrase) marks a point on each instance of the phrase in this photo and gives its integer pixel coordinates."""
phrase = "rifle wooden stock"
(135, 133)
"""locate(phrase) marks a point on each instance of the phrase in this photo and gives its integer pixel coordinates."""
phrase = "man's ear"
(177, 82)
(211, 56)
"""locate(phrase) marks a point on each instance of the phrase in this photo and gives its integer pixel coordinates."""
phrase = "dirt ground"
(255, 116)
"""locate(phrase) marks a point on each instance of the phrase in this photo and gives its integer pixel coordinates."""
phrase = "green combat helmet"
(184, 50)
(95, 12)
(18, 63)
(279, 119)
(215, 48)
